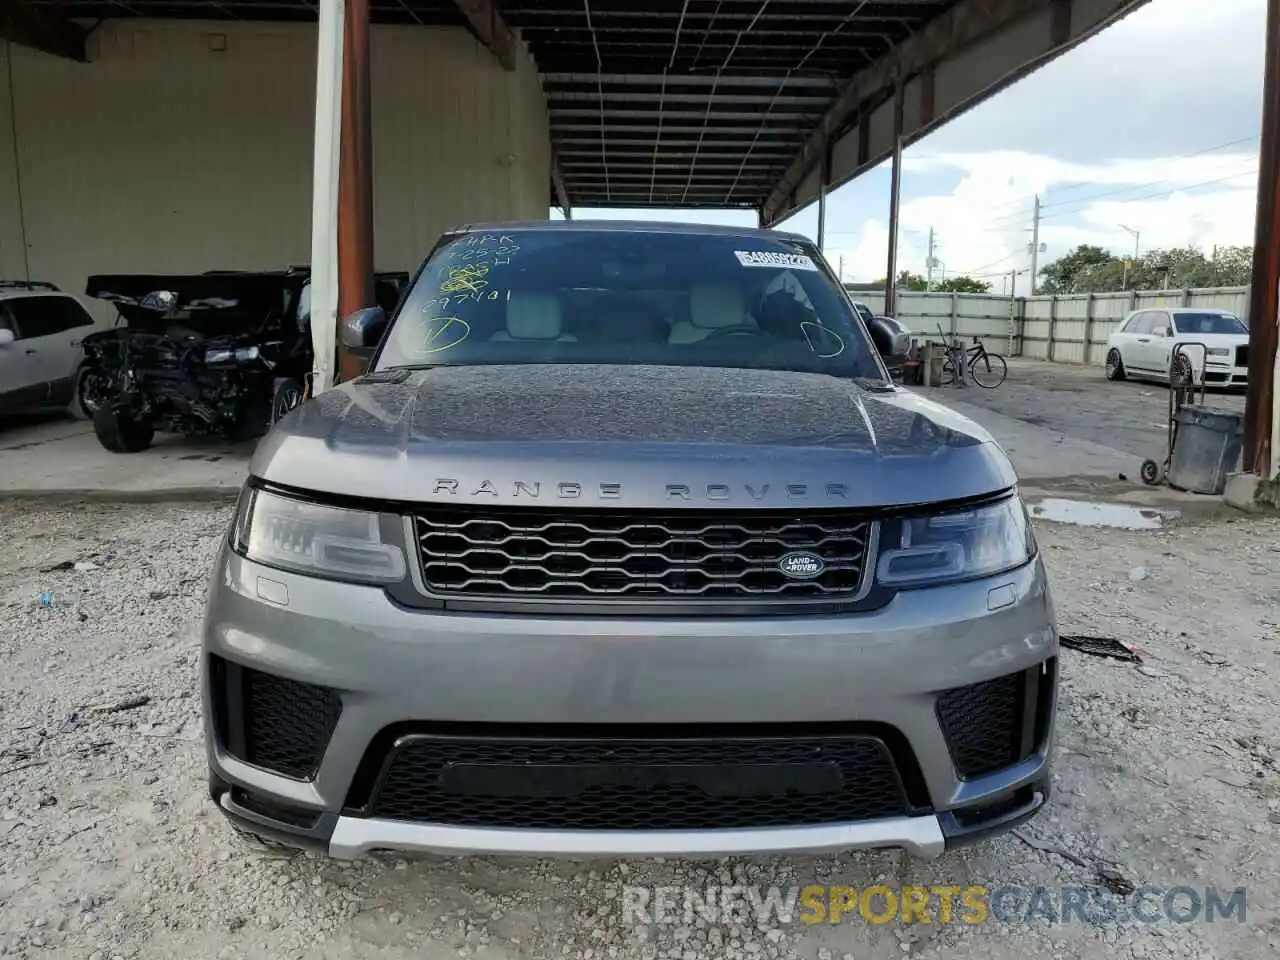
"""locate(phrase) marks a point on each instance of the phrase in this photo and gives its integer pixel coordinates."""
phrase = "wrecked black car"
(223, 353)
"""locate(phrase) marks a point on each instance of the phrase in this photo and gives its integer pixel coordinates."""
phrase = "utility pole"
(1035, 242)
(1261, 419)
(1124, 279)
(928, 264)
(841, 269)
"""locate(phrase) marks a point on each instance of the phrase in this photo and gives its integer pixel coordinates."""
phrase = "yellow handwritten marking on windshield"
(805, 325)
(442, 333)
(468, 278)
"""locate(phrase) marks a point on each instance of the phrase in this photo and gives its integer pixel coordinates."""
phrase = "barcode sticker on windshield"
(780, 261)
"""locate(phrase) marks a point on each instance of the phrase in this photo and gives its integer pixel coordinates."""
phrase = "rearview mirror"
(6, 336)
(363, 329)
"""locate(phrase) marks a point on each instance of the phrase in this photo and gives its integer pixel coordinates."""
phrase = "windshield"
(1209, 323)
(628, 297)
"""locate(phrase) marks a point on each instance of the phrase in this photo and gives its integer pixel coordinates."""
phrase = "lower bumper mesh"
(625, 783)
(996, 723)
(273, 722)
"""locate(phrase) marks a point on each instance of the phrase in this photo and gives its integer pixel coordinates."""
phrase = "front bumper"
(394, 676)
(1221, 374)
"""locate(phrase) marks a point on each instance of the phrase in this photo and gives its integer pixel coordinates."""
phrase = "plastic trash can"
(1208, 448)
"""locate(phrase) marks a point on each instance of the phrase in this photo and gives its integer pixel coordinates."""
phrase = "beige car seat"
(534, 316)
(712, 306)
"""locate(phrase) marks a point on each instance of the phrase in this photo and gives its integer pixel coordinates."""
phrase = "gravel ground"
(109, 846)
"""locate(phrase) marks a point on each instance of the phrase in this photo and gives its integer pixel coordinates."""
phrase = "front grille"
(627, 783)
(286, 724)
(604, 555)
(993, 724)
(1242, 356)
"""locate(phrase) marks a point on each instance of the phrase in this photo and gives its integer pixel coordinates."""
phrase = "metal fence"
(1069, 329)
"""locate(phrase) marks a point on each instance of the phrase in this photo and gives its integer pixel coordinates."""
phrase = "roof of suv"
(18, 289)
(633, 226)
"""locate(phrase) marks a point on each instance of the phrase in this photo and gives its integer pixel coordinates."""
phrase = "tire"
(87, 395)
(1114, 369)
(947, 376)
(1151, 473)
(1181, 374)
(988, 371)
(120, 433)
(287, 395)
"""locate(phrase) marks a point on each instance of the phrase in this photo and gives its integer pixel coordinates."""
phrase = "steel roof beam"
(689, 80)
(576, 96)
(953, 36)
(43, 30)
(491, 30)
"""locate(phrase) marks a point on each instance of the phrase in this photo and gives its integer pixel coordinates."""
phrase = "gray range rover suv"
(626, 544)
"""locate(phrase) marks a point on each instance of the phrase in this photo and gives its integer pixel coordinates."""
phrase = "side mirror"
(363, 329)
(1166, 331)
(6, 336)
(892, 342)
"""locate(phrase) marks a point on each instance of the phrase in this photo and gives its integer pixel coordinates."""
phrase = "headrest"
(533, 316)
(716, 305)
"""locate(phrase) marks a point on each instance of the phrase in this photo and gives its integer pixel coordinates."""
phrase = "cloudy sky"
(1152, 124)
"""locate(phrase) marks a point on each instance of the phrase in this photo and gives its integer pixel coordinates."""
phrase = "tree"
(962, 284)
(1089, 269)
(1065, 274)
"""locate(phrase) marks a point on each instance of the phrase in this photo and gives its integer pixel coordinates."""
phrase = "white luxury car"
(1214, 345)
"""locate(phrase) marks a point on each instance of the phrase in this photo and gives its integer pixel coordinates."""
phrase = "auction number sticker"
(781, 261)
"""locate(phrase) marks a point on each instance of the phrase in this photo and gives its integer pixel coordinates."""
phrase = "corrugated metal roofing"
(666, 103)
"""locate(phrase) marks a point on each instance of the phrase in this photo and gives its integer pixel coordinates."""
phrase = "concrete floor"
(61, 458)
(1064, 427)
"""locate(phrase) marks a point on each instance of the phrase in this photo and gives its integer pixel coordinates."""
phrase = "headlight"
(956, 546)
(227, 354)
(330, 542)
(1218, 352)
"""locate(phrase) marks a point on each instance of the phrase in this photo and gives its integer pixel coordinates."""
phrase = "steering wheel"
(737, 330)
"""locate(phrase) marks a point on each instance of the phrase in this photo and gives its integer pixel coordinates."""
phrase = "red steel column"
(355, 179)
(1264, 299)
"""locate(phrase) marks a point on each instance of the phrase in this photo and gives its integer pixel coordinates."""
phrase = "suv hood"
(629, 436)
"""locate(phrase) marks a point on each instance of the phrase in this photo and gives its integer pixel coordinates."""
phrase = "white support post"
(324, 195)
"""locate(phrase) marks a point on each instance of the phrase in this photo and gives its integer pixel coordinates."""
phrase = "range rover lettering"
(625, 543)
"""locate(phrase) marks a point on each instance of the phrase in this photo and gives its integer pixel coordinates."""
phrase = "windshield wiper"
(874, 385)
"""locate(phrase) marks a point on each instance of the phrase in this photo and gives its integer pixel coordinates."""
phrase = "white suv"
(40, 332)
(1212, 344)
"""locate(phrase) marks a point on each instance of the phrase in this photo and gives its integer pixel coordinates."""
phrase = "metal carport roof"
(703, 103)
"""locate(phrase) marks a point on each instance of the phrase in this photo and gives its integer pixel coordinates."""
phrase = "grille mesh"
(982, 724)
(628, 784)
(287, 724)
(606, 556)
(1242, 356)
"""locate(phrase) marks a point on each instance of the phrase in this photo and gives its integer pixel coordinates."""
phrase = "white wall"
(162, 155)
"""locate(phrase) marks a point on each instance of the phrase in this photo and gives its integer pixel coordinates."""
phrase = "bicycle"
(986, 369)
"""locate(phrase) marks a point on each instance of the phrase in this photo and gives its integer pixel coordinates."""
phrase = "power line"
(1165, 193)
(1077, 184)
(1078, 203)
